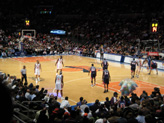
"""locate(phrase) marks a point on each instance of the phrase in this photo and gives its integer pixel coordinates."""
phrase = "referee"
(23, 74)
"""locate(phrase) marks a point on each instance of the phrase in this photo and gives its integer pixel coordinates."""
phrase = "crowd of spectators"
(47, 44)
(137, 109)
(120, 26)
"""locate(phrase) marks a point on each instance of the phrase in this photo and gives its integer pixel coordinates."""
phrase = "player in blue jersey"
(153, 65)
(101, 53)
(93, 75)
(133, 68)
(106, 79)
(104, 64)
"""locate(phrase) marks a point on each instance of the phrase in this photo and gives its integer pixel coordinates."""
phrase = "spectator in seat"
(79, 103)
(130, 118)
(87, 113)
(149, 119)
(102, 120)
(134, 105)
(27, 94)
(107, 103)
(83, 105)
(122, 102)
(102, 110)
(4, 55)
(95, 106)
(65, 103)
(140, 118)
(42, 116)
(32, 95)
(53, 103)
(45, 52)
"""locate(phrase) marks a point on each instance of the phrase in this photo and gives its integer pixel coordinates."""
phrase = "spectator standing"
(114, 101)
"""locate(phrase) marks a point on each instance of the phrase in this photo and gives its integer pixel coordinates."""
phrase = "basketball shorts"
(59, 66)
(105, 67)
(154, 66)
(106, 81)
(58, 86)
(133, 69)
(93, 75)
(145, 65)
(37, 72)
(138, 68)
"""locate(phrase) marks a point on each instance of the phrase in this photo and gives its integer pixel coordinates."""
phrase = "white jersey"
(58, 79)
(145, 64)
(37, 66)
(59, 63)
(37, 69)
(139, 62)
(58, 83)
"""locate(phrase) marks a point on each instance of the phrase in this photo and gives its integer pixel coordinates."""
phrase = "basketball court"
(77, 83)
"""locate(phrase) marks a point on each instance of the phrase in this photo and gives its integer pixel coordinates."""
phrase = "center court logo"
(78, 68)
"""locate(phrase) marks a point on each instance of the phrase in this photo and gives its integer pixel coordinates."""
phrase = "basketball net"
(26, 36)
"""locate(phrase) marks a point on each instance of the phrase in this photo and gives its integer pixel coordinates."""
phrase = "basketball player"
(139, 64)
(59, 64)
(37, 69)
(133, 68)
(153, 65)
(101, 53)
(145, 64)
(104, 64)
(59, 83)
(106, 78)
(93, 75)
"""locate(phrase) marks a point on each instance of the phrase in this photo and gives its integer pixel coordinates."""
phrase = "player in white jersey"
(59, 83)
(37, 69)
(145, 64)
(139, 64)
(59, 64)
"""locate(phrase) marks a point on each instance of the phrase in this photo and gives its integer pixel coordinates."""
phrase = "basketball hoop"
(26, 37)
(28, 33)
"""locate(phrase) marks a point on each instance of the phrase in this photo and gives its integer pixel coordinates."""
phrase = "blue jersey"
(133, 64)
(105, 64)
(106, 74)
(149, 61)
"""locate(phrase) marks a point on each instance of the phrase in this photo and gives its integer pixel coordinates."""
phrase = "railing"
(25, 117)
(17, 118)
(20, 116)
(31, 102)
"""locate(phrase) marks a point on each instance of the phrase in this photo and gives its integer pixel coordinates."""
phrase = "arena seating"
(31, 104)
(120, 26)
